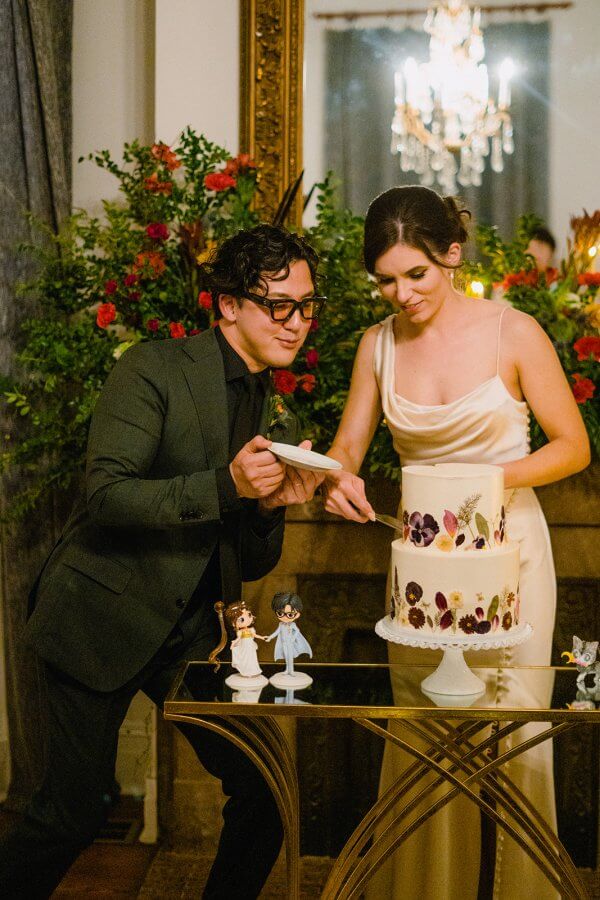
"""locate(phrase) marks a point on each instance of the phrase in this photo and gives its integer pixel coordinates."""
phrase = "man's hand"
(256, 472)
(345, 496)
(298, 486)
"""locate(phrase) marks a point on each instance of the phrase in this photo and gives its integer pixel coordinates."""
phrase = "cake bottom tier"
(474, 592)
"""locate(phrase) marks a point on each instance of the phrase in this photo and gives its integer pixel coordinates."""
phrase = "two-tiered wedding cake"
(454, 571)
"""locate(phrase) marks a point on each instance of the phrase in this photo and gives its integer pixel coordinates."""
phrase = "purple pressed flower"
(479, 613)
(416, 617)
(495, 622)
(423, 529)
(446, 620)
(441, 602)
(413, 592)
(483, 627)
(460, 540)
(468, 624)
(478, 543)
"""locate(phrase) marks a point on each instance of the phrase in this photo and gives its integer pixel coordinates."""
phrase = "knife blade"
(390, 521)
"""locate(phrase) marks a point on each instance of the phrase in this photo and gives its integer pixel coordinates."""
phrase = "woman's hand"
(345, 496)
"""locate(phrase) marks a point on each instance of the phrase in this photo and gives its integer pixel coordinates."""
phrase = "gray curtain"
(35, 148)
(360, 104)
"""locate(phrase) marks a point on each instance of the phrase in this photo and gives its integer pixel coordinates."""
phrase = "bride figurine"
(244, 657)
(290, 641)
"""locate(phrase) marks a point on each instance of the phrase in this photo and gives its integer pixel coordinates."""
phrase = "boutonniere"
(278, 413)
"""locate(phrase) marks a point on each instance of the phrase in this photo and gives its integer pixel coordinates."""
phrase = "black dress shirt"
(245, 392)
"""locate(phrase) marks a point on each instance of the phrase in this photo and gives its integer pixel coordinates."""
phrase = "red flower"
(551, 276)
(194, 331)
(312, 358)
(164, 154)
(587, 346)
(155, 186)
(131, 279)
(177, 330)
(107, 313)
(134, 296)
(590, 279)
(307, 383)
(583, 389)
(157, 231)
(241, 163)
(110, 287)
(151, 261)
(514, 278)
(285, 381)
(219, 181)
(153, 325)
(314, 324)
(205, 300)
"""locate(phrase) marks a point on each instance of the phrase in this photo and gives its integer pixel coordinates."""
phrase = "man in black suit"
(183, 503)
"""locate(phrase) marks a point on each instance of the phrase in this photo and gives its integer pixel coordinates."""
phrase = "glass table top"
(365, 691)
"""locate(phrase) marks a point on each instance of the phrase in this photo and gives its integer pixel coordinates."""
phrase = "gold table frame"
(462, 750)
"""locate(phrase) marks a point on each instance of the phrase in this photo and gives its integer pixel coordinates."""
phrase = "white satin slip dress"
(440, 861)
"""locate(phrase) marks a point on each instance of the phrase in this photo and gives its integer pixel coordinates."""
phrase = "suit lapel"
(202, 365)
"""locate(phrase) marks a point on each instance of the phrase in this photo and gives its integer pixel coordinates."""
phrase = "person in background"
(542, 247)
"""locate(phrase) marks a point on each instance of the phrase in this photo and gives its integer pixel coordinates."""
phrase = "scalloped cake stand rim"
(410, 638)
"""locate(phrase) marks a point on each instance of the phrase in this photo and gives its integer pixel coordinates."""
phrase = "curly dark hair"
(245, 260)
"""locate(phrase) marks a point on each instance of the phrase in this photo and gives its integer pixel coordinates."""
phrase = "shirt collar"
(234, 365)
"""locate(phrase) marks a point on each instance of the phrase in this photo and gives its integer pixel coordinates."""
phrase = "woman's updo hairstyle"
(415, 216)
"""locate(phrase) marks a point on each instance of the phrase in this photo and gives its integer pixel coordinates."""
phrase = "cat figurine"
(585, 657)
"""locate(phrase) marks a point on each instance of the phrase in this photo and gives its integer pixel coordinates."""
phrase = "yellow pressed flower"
(444, 542)
(455, 599)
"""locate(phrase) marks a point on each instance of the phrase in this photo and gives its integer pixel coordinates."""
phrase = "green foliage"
(354, 304)
(565, 302)
(105, 284)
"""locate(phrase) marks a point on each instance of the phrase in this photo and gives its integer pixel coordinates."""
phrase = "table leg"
(463, 766)
(264, 743)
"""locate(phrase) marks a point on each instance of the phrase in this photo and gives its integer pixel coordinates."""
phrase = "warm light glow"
(476, 289)
(592, 251)
(445, 122)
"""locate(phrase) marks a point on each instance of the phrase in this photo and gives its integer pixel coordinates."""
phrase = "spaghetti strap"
(498, 350)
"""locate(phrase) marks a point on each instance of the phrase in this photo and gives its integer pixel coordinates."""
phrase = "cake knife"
(389, 520)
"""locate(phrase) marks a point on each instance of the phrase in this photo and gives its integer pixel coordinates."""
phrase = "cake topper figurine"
(240, 619)
(585, 656)
(290, 640)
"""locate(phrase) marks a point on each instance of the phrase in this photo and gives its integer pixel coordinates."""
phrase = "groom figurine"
(183, 503)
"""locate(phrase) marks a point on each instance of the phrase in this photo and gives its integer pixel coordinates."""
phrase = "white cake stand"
(452, 676)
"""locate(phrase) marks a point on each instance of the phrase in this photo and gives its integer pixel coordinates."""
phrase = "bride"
(455, 379)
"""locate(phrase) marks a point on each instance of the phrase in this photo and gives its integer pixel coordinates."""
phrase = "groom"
(184, 502)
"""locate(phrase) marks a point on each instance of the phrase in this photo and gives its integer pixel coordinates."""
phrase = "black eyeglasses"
(287, 615)
(283, 309)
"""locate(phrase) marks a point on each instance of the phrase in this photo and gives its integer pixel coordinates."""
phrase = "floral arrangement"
(565, 301)
(134, 275)
(105, 284)
(422, 530)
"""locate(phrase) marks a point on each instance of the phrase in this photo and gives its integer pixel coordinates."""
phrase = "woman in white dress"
(455, 379)
(244, 649)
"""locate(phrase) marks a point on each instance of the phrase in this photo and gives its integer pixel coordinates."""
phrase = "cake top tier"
(453, 506)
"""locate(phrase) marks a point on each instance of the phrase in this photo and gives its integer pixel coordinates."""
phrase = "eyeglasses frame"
(269, 303)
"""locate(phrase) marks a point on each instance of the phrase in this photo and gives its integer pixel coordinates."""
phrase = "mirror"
(350, 61)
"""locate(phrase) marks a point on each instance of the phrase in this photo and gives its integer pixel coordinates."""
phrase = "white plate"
(304, 459)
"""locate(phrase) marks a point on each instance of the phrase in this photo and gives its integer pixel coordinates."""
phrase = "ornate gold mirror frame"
(271, 53)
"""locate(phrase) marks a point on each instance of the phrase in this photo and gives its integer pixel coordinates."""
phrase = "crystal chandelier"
(445, 123)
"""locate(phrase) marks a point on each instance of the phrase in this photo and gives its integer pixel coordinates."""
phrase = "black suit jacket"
(133, 552)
